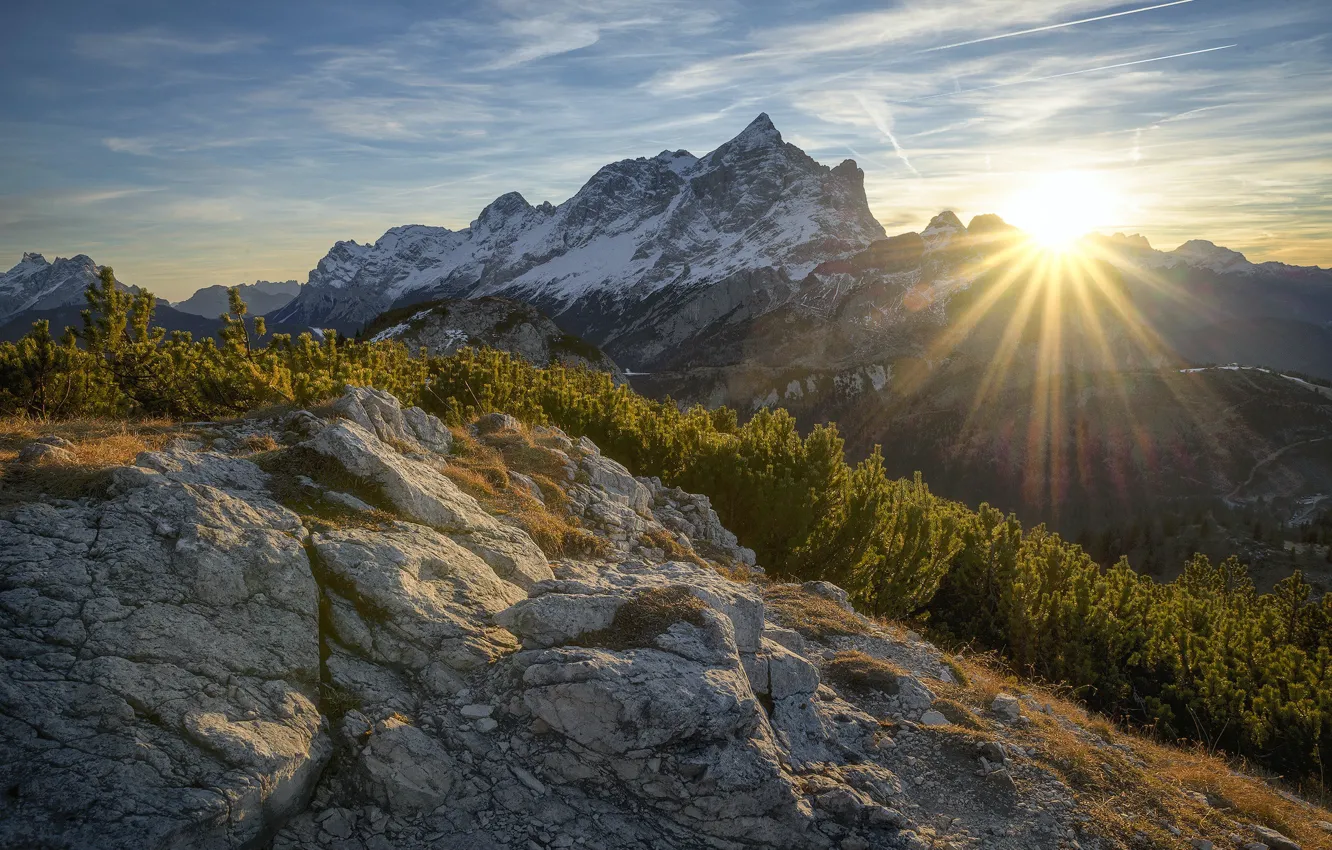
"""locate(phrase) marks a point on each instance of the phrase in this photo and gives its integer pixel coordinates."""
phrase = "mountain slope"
(442, 327)
(647, 254)
(262, 296)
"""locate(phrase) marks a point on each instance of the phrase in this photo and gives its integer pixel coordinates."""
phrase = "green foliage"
(1204, 657)
(118, 364)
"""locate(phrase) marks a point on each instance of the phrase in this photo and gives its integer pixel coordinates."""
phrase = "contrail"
(1053, 26)
(882, 119)
(1069, 73)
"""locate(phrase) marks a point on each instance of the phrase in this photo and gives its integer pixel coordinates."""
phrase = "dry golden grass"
(1131, 784)
(481, 469)
(859, 671)
(99, 445)
(666, 542)
(255, 443)
(810, 614)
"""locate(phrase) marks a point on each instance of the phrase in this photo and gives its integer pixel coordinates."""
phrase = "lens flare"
(1057, 209)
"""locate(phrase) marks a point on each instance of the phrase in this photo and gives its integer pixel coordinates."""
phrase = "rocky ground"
(301, 631)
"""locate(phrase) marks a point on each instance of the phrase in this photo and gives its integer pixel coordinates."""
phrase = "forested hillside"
(1204, 657)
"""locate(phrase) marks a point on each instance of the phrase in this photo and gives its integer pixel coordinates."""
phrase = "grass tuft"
(812, 615)
(646, 615)
(480, 467)
(858, 671)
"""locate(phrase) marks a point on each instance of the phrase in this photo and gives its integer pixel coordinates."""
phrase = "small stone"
(1325, 826)
(527, 779)
(486, 724)
(1274, 839)
(1201, 844)
(477, 710)
(1006, 707)
(933, 718)
(854, 842)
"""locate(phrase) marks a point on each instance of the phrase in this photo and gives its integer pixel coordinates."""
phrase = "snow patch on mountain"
(636, 228)
(37, 284)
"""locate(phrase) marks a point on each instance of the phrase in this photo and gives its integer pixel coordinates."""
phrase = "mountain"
(1052, 387)
(442, 327)
(36, 284)
(646, 255)
(262, 297)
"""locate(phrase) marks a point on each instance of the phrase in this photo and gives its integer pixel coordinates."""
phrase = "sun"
(1059, 208)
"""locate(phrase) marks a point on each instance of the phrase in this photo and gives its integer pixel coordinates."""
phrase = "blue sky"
(189, 144)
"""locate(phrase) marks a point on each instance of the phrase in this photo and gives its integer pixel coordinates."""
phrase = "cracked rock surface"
(187, 662)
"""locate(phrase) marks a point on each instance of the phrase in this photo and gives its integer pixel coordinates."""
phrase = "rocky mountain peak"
(36, 284)
(503, 208)
(1136, 240)
(988, 223)
(942, 229)
(761, 132)
(733, 228)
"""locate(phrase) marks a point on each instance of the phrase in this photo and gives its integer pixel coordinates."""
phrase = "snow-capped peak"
(1200, 253)
(755, 204)
(35, 284)
(942, 229)
(761, 132)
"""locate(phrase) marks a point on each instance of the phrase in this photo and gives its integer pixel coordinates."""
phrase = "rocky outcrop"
(161, 663)
(423, 494)
(188, 662)
(380, 413)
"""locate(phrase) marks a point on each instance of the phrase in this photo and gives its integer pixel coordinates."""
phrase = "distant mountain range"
(261, 297)
(756, 276)
(38, 289)
(646, 255)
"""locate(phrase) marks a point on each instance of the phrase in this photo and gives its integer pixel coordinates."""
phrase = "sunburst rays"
(1062, 326)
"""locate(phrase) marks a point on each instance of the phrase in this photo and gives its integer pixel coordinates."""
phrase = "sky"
(191, 144)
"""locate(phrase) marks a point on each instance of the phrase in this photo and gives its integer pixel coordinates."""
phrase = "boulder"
(1273, 839)
(590, 601)
(831, 592)
(404, 770)
(381, 414)
(43, 453)
(409, 596)
(789, 675)
(1006, 707)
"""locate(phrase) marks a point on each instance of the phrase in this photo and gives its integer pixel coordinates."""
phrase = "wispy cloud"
(145, 45)
(264, 144)
(1076, 73)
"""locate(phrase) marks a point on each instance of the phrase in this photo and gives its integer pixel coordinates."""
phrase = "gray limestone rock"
(160, 663)
(425, 495)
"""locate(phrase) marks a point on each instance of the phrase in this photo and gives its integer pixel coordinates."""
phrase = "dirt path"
(1233, 496)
